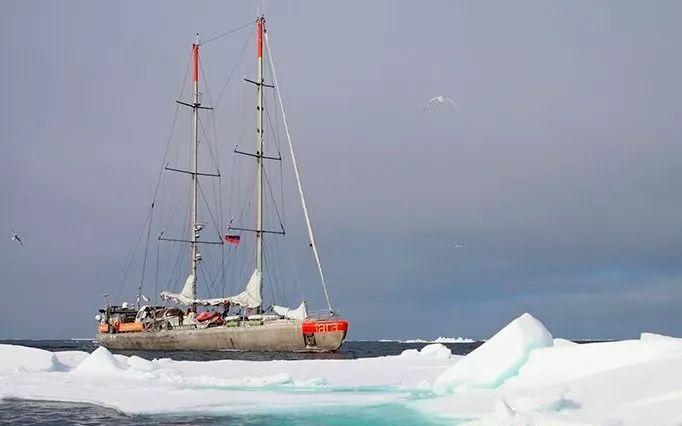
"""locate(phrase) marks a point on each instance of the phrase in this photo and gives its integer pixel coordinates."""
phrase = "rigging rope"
(203, 196)
(298, 177)
(293, 262)
(132, 257)
(156, 277)
(216, 162)
(234, 68)
(274, 203)
(270, 280)
(234, 30)
(156, 190)
(144, 263)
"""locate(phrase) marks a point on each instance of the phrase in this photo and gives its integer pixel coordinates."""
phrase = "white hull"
(275, 336)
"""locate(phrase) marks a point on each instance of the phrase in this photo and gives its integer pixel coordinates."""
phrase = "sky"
(560, 172)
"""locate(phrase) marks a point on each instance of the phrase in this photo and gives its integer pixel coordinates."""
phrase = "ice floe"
(21, 358)
(437, 340)
(497, 359)
(434, 350)
(520, 376)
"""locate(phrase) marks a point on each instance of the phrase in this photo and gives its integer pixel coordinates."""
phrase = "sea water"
(16, 412)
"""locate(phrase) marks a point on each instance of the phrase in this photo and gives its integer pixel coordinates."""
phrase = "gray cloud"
(561, 172)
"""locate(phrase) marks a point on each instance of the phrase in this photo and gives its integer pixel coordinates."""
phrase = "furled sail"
(251, 296)
(188, 294)
(300, 313)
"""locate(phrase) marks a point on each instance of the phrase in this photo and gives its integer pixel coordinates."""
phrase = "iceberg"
(497, 359)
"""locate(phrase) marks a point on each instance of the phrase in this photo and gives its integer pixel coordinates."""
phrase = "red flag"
(232, 239)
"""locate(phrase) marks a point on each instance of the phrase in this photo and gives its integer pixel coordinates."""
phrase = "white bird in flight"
(439, 100)
(16, 238)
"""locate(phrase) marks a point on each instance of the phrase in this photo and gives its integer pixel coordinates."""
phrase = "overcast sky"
(561, 173)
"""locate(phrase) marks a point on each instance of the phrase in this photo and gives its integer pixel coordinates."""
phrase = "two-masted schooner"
(241, 321)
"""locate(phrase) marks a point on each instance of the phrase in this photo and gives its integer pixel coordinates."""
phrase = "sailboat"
(240, 321)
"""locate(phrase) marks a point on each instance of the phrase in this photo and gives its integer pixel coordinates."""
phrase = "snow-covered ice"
(497, 359)
(21, 358)
(227, 386)
(434, 350)
(520, 376)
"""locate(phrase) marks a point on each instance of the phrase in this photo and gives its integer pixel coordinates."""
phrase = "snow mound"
(22, 358)
(433, 351)
(70, 359)
(140, 364)
(653, 337)
(100, 362)
(563, 342)
(436, 350)
(673, 344)
(409, 354)
(498, 359)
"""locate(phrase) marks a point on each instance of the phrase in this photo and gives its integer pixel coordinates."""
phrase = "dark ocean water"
(15, 412)
(349, 350)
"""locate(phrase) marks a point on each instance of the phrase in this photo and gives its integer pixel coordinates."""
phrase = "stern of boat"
(324, 335)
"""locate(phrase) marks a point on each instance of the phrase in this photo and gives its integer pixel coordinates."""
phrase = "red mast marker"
(259, 40)
(195, 62)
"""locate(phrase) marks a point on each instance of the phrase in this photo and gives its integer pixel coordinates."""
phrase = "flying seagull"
(439, 100)
(16, 238)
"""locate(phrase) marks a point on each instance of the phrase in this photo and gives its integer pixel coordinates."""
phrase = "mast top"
(260, 22)
(195, 60)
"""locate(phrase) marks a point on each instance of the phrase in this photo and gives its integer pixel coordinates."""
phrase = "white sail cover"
(187, 295)
(300, 313)
(249, 298)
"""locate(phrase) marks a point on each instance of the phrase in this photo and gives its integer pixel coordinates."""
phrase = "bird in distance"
(15, 237)
(439, 100)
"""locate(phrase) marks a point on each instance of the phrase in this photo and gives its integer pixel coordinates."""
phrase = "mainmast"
(194, 226)
(189, 291)
(260, 23)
